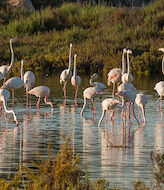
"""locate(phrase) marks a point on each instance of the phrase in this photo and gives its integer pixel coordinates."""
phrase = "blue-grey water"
(119, 165)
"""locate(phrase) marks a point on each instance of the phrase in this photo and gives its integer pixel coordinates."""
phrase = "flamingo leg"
(106, 132)
(26, 100)
(76, 89)
(38, 103)
(13, 98)
(64, 89)
(113, 90)
(94, 108)
(161, 107)
(112, 119)
(30, 101)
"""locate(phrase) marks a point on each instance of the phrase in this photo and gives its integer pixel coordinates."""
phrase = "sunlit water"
(120, 166)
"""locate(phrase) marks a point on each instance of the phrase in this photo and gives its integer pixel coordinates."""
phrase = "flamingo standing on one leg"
(108, 104)
(13, 83)
(4, 96)
(75, 79)
(28, 78)
(5, 69)
(41, 92)
(159, 87)
(67, 73)
(141, 101)
(90, 93)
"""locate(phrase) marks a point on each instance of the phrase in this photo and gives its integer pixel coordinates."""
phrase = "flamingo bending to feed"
(13, 83)
(90, 93)
(128, 96)
(99, 85)
(5, 69)
(159, 87)
(141, 101)
(75, 79)
(4, 96)
(108, 104)
(28, 78)
(114, 76)
(67, 73)
(127, 77)
(41, 92)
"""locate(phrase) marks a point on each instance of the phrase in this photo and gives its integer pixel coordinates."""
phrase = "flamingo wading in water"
(4, 96)
(41, 92)
(5, 69)
(75, 79)
(28, 78)
(159, 87)
(67, 73)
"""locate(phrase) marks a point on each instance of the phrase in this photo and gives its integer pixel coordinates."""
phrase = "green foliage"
(98, 33)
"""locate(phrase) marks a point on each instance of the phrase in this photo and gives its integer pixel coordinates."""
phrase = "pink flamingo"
(114, 76)
(75, 79)
(67, 73)
(41, 92)
(5, 69)
(90, 93)
(4, 96)
(141, 101)
(13, 83)
(28, 78)
(159, 87)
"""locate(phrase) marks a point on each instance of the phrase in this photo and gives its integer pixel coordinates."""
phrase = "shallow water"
(121, 166)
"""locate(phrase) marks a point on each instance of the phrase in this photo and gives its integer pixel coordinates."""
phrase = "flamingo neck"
(84, 105)
(91, 81)
(12, 57)
(22, 72)
(9, 111)
(123, 63)
(75, 69)
(128, 61)
(163, 65)
(70, 59)
(49, 103)
(102, 116)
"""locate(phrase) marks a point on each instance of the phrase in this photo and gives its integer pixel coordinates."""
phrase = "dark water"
(121, 166)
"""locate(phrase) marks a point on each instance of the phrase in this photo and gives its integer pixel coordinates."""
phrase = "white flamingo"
(4, 96)
(28, 78)
(75, 79)
(13, 83)
(114, 76)
(5, 69)
(127, 77)
(67, 73)
(108, 104)
(41, 92)
(99, 85)
(159, 87)
(90, 93)
(141, 101)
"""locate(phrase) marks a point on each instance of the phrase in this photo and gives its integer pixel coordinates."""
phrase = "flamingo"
(67, 73)
(5, 69)
(108, 104)
(114, 76)
(99, 85)
(159, 87)
(28, 78)
(89, 93)
(41, 91)
(75, 79)
(4, 96)
(141, 101)
(128, 96)
(13, 83)
(127, 77)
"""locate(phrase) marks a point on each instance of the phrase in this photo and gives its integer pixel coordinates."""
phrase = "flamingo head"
(109, 83)
(124, 50)
(94, 76)
(13, 40)
(75, 56)
(161, 49)
(129, 51)
(22, 62)
(70, 45)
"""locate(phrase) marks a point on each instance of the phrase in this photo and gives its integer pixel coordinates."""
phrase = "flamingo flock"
(118, 76)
